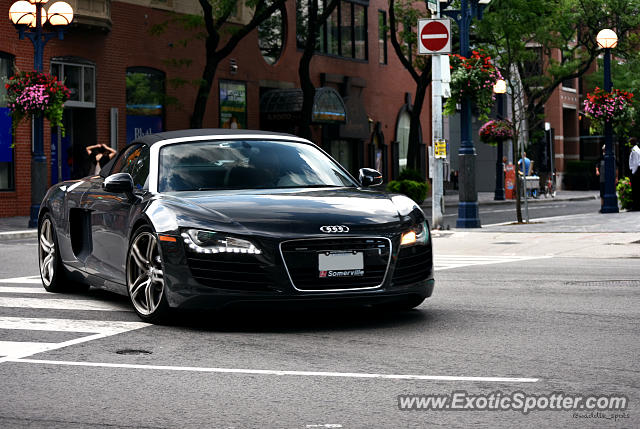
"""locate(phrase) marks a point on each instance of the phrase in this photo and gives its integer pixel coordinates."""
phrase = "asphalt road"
(504, 318)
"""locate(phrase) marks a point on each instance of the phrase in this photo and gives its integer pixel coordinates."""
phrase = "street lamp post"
(500, 88)
(608, 39)
(468, 216)
(29, 17)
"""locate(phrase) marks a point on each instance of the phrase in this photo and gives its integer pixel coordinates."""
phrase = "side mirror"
(369, 177)
(119, 183)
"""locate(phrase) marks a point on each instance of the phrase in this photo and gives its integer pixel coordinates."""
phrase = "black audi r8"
(212, 218)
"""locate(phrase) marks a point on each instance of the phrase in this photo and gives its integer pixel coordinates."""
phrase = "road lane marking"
(447, 262)
(13, 348)
(18, 289)
(246, 371)
(63, 304)
(69, 325)
(25, 280)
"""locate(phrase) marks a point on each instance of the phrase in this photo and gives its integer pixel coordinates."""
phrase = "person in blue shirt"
(527, 165)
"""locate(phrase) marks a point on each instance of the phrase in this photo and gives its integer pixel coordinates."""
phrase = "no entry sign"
(434, 36)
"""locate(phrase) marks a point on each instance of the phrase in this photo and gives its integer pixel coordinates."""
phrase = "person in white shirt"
(634, 165)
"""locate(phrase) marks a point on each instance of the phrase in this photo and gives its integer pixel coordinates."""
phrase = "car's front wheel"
(145, 276)
(51, 271)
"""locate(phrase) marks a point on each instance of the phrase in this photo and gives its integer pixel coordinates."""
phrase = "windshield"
(246, 164)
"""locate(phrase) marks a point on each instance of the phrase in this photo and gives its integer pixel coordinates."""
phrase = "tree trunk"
(413, 151)
(208, 74)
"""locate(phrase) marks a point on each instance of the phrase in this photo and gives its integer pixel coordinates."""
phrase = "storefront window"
(233, 104)
(145, 102)
(6, 136)
(271, 36)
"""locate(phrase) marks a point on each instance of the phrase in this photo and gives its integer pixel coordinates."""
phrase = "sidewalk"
(486, 198)
(16, 227)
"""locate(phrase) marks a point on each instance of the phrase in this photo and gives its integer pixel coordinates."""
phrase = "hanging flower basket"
(35, 93)
(496, 131)
(474, 78)
(614, 106)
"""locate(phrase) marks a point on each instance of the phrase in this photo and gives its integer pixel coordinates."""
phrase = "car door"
(111, 213)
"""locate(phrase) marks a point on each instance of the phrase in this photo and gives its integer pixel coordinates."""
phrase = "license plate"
(340, 264)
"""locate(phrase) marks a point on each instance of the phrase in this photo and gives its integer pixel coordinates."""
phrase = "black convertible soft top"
(158, 137)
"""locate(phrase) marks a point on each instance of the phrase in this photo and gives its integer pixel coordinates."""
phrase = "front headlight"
(216, 242)
(415, 236)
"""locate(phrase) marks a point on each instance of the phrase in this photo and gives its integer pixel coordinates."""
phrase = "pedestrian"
(527, 165)
(634, 165)
(99, 155)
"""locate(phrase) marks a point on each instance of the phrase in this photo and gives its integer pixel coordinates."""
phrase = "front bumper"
(184, 291)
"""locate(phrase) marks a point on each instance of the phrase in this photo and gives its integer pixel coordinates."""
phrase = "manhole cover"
(133, 352)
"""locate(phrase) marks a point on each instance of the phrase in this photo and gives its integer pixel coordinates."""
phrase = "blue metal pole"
(468, 216)
(38, 158)
(610, 200)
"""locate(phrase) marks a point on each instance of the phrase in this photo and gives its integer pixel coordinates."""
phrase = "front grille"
(301, 259)
(414, 264)
(230, 271)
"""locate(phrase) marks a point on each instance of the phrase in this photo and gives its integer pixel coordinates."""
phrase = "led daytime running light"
(227, 248)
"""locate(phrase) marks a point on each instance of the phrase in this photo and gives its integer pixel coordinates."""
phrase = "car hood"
(293, 211)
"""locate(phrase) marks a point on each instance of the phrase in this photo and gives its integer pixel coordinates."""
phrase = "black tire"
(145, 277)
(53, 274)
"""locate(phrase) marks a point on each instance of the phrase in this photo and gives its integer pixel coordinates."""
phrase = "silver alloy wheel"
(145, 279)
(47, 252)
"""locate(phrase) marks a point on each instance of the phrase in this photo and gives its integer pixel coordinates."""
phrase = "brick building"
(111, 42)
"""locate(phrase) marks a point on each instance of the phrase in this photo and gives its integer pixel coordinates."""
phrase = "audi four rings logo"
(334, 228)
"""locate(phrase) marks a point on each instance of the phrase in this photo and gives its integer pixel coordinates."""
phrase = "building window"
(402, 136)
(6, 135)
(271, 36)
(533, 65)
(344, 33)
(81, 81)
(145, 102)
(382, 37)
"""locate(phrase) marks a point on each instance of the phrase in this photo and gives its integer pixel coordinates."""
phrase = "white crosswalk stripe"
(22, 289)
(447, 262)
(87, 330)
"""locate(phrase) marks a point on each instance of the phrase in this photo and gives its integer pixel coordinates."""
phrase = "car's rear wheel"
(145, 276)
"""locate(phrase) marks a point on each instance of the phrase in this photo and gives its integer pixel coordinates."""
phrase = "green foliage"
(411, 174)
(624, 193)
(417, 191)
(407, 15)
(524, 35)
(580, 175)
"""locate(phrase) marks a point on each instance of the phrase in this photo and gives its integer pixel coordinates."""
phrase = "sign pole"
(434, 36)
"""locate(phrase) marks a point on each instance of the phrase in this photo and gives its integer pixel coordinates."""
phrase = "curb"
(427, 203)
(16, 235)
